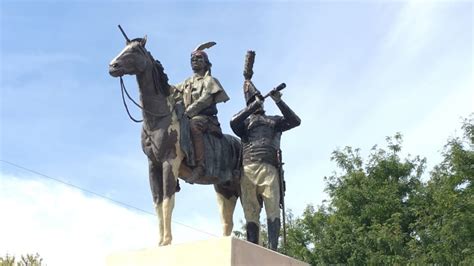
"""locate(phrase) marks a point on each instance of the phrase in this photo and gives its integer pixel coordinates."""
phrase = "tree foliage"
(369, 217)
(445, 224)
(26, 260)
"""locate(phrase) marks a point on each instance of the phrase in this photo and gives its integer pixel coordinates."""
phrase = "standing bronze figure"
(260, 136)
(166, 136)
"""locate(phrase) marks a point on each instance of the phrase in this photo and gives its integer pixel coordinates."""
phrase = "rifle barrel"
(277, 88)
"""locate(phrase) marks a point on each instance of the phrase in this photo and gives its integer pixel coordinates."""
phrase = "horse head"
(132, 60)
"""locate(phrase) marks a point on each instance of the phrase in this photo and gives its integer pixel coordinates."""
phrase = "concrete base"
(220, 252)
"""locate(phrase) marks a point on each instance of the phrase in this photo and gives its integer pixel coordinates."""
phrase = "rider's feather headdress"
(203, 46)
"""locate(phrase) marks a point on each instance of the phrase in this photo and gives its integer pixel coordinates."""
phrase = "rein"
(156, 81)
(123, 89)
(122, 86)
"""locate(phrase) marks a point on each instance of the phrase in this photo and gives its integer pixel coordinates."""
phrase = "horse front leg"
(226, 201)
(156, 185)
(159, 212)
(170, 175)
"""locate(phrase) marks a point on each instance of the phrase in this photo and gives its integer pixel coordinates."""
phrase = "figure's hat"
(250, 92)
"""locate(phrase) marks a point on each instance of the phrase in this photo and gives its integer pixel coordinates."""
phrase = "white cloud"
(67, 227)
(413, 28)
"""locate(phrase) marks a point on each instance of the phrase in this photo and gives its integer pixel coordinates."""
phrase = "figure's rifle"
(277, 88)
(281, 179)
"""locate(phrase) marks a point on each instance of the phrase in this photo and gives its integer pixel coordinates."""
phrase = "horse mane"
(160, 78)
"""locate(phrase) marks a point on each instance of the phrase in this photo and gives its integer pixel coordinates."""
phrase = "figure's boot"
(273, 233)
(252, 232)
(198, 141)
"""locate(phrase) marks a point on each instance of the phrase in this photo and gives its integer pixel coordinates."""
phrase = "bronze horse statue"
(162, 137)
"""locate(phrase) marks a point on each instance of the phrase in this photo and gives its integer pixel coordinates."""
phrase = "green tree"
(445, 224)
(26, 260)
(370, 214)
(303, 234)
(7, 260)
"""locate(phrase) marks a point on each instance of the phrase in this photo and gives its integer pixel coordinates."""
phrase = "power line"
(99, 195)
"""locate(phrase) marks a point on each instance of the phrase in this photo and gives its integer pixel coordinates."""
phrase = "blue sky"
(356, 71)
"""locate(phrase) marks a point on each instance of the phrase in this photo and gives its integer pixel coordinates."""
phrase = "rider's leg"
(198, 126)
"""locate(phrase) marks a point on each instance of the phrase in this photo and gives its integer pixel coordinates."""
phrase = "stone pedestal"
(220, 252)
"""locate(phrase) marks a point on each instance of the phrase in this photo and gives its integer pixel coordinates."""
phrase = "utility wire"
(99, 195)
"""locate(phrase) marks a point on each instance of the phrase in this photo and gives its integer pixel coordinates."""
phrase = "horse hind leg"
(226, 201)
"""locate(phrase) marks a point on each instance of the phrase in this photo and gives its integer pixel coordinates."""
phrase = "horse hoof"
(166, 243)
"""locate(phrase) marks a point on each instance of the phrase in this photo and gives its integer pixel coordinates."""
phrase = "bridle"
(124, 91)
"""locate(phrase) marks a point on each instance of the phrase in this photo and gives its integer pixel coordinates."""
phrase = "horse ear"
(143, 41)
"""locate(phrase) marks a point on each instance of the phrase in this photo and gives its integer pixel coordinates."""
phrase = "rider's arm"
(177, 92)
(200, 104)
(212, 93)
